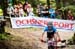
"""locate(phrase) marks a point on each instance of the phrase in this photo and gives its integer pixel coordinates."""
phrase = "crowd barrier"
(39, 22)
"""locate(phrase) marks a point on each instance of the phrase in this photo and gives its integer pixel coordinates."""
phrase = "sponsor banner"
(23, 22)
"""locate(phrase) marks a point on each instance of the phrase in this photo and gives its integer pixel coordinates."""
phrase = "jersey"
(52, 13)
(50, 31)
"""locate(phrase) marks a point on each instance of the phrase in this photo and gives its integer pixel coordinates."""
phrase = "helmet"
(50, 24)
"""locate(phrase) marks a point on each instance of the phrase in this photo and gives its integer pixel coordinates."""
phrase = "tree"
(4, 5)
(48, 3)
(34, 3)
(58, 4)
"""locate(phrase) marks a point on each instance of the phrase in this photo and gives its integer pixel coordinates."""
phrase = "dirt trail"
(29, 35)
(33, 35)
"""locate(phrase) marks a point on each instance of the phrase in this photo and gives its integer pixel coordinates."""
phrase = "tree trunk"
(58, 4)
(48, 3)
(4, 6)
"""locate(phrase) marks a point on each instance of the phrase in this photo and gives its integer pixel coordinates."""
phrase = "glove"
(59, 40)
(43, 41)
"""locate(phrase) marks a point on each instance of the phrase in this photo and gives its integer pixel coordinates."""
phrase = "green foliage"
(22, 1)
(72, 40)
(4, 36)
(33, 3)
(71, 7)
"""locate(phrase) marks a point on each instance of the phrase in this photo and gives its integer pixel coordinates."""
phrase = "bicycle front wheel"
(51, 47)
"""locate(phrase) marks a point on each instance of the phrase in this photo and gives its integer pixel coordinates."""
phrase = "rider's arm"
(45, 29)
(43, 35)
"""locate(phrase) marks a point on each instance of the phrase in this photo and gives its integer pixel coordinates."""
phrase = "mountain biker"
(51, 32)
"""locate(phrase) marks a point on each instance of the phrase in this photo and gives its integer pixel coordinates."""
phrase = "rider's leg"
(50, 37)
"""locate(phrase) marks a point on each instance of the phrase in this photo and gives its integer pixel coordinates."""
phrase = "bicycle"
(52, 44)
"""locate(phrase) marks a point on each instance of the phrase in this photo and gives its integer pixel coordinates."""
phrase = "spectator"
(45, 11)
(70, 15)
(20, 8)
(30, 10)
(39, 9)
(16, 10)
(21, 12)
(10, 10)
(25, 6)
(52, 13)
